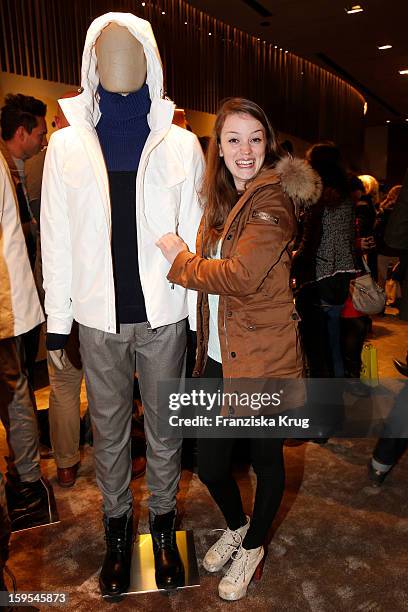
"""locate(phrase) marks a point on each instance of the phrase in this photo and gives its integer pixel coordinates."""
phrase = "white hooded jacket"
(75, 202)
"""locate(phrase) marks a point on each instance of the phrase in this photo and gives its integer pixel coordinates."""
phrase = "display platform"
(142, 578)
(47, 516)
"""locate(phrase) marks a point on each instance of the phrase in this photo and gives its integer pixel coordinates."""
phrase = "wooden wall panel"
(204, 61)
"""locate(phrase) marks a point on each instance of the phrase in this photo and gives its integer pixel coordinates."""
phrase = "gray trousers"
(64, 412)
(109, 362)
(17, 412)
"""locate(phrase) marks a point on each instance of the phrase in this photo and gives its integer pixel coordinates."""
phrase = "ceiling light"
(388, 121)
(403, 71)
(209, 34)
(143, 3)
(163, 12)
(355, 8)
(384, 47)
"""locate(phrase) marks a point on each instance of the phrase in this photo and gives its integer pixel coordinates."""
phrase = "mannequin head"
(122, 63)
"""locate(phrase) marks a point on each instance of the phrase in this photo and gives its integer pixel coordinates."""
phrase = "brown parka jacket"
(257, 320)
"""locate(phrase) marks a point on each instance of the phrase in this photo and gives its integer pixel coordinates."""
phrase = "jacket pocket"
(163, 171)
(270, 316)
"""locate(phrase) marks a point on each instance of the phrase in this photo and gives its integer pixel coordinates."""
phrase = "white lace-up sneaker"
(221, 551)
(235, 582)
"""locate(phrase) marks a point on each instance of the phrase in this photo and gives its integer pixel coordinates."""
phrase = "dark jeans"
(353, 332)
(389, 450)
(319, 305)
(313, 329)
(332, 316)
(214, 469)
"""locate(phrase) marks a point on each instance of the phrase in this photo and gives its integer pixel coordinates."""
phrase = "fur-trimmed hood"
(299, 181)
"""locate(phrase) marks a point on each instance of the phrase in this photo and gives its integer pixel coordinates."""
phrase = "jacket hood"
(85, 107)
(298, 179)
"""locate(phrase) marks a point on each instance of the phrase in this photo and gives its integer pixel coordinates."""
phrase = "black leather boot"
(29, 503)
(114, 578)
(168, 564)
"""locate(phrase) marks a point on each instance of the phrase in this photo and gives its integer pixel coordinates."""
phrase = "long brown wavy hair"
(218, 191)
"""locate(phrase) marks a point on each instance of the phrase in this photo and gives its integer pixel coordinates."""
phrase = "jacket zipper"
(140, 173)
(225, 322)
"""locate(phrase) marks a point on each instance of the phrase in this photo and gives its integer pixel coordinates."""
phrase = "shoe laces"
(228, 534)
(237, 567)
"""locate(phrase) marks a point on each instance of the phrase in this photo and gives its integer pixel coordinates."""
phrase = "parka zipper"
(225, 321)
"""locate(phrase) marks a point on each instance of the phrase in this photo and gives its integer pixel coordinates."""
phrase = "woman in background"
(386, 255)
(324, 264)
(366, 214)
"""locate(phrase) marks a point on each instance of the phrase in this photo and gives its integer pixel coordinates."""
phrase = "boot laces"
(225, 539)
(238, 565)
(164, 538)
(116, 539)
(115, 543)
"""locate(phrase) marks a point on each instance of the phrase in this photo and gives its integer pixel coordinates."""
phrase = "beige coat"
(20, 308)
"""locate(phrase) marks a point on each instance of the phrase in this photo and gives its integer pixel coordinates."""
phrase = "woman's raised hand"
(171, 245)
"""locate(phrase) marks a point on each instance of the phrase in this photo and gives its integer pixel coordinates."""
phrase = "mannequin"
(122, 63)
(126, 181)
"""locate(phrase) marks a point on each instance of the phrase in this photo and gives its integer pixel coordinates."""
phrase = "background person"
(366, 214)
(386, 255)
(23, 130)
(324, 264)
(64, 366)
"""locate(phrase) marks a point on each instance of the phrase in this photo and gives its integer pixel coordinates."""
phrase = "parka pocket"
(271, 316)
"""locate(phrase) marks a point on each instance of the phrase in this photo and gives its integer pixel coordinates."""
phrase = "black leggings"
(214, 469)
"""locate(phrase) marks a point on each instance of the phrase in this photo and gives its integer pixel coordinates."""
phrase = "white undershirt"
(214, 349)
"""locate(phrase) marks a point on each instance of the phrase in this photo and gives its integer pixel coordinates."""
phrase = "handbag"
(366, 295)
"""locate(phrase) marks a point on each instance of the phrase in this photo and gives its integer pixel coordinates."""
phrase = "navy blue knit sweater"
(123, 129)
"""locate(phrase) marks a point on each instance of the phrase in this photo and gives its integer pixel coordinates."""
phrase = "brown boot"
(66, 477)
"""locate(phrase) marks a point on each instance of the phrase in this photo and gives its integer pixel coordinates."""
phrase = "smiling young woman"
(246, 320)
